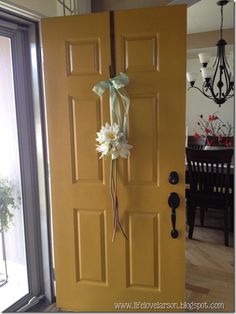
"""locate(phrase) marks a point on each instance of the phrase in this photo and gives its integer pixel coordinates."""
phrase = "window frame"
(24, 34)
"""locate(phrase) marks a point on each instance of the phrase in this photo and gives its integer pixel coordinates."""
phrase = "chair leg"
(188, 213)
(231, 218)
(202, 213)
(191, 212)
(226, 226)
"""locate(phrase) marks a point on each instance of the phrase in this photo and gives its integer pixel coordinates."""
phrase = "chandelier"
(218, 81)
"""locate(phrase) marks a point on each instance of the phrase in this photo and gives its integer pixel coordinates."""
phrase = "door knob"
(173, 202)
(173, 177)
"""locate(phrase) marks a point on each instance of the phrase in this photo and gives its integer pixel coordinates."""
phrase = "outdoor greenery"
(7, 204)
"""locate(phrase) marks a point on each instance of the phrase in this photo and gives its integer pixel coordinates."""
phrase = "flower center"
(110, 135)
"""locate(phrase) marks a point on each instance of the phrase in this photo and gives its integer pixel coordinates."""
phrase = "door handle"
(173, 177)
(173, 202)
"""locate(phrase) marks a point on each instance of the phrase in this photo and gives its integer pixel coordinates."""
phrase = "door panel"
(76, 56)
(144, 50)
(83, 110)
(142, 269)
(143, 135)
(92, 273)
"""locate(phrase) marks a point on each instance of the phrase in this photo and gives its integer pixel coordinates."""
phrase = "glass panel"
(13, 268)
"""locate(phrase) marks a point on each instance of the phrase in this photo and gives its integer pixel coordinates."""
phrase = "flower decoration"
(112, 143)
(111, 138)
(216, 131)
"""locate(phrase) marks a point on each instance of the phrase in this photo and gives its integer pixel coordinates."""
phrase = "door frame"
(23, 29)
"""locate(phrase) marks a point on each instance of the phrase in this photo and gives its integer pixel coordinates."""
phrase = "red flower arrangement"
(217, 132)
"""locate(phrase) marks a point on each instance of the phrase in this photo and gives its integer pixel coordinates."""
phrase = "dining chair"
(196, 143)
(209, 184)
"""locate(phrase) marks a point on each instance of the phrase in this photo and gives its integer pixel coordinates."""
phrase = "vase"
(214, 143)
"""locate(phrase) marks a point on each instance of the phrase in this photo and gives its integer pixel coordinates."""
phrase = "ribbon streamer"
(117, 95)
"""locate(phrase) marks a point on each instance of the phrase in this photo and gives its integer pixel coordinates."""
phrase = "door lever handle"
(173, 202)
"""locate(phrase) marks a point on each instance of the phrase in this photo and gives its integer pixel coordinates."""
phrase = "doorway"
(13, 266)
(25, 260)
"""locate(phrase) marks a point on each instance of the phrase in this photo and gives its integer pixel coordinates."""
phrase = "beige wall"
(80, 6)
(40, 7)
(209, 39)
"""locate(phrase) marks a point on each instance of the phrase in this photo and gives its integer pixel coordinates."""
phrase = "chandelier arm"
(227, 94)
(227, 75)
(204, 92)
(216, 65)
(227, 72)
(230, 96)
(210, 97)
(217, 58)
(226, 65)
(209, 86)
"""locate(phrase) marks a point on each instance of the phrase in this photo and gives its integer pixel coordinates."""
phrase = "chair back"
(209, 170)
(196, 143)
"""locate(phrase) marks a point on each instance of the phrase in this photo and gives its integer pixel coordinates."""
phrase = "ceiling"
(202, 15)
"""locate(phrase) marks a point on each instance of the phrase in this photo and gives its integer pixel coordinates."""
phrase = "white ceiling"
(204, 16)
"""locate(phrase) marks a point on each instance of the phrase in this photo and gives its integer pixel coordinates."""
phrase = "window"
(27, 242)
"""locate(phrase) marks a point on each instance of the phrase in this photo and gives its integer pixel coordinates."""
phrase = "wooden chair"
(196, 143)
(209, 180)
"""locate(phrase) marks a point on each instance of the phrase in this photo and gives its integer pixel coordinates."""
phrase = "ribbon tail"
(126, 104)
(112, 102)
(114, 198)
(115, 113)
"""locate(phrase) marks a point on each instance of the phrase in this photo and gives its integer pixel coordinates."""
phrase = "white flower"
(121, 150)
(124, 149)
(104, 149)
(109, 134)
(111, 142)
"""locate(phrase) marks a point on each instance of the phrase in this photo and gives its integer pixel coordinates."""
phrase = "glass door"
(13, 266)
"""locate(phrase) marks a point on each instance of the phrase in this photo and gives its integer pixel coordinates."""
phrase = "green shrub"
(7, 204)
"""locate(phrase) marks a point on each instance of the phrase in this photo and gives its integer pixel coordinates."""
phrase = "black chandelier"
(218, 81)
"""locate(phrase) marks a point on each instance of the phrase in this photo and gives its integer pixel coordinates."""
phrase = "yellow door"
(92, 272)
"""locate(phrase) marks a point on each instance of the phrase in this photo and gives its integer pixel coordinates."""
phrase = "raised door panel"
(143, 134)
(91, 263)
(142, 251)
(85, 121)
(76, 51)
(147, 58)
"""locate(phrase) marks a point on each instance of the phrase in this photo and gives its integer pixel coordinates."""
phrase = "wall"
(40, 7)
(80, 6)
(197, 104)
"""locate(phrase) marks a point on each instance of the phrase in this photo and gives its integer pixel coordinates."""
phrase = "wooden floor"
(210, 267)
